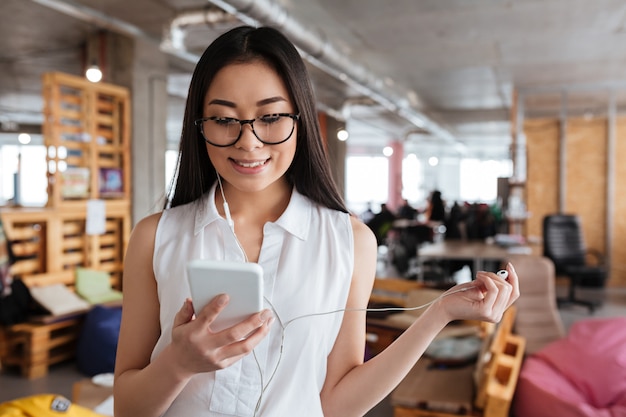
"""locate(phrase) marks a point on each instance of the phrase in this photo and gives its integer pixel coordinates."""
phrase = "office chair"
(564, 244)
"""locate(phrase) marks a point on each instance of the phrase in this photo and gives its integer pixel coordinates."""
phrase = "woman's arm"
(353, 387)
(144, 388)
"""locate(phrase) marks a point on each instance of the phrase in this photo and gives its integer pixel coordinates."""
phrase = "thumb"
(185, 314)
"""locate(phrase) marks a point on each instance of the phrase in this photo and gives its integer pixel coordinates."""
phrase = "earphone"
(229, 219)
(502, 274)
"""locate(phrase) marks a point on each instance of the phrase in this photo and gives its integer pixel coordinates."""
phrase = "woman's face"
(247, 91)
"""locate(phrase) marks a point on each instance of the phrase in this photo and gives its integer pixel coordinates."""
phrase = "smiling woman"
(254, 184)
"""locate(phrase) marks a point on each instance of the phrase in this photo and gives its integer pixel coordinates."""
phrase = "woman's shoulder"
(147, 225)
(362, 233)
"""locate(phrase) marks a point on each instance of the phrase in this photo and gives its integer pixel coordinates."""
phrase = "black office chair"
(564, 244)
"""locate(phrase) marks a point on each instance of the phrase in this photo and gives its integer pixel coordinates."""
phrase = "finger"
(488, 282)
(513, 280)
(185, 313)
(245, 345)
(498, 294)
(210, 311)
(244, 329)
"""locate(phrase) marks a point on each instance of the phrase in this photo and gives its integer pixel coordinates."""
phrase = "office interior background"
(438, 94)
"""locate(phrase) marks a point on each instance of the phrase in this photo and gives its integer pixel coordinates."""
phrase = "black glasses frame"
(293, 116)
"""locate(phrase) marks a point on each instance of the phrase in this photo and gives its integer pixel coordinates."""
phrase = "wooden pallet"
(53, 241)
(33, 347)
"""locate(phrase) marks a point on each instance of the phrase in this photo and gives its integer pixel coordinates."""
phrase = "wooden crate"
(52, 241)
(33, 347)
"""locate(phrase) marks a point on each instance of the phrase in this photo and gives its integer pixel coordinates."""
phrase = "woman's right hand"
(198, 349)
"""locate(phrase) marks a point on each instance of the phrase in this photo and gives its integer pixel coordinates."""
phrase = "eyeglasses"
(270, 129)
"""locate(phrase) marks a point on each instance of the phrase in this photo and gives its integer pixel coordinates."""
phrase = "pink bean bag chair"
(581, 375)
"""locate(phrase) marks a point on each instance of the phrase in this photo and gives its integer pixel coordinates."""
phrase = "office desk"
(477, 251)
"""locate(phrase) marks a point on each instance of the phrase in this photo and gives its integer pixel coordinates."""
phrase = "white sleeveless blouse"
(307, 257)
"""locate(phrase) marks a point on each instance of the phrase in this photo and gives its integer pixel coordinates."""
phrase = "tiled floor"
(61, 377)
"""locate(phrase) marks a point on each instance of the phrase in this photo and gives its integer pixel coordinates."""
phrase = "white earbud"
(502, 274)
(229, 219)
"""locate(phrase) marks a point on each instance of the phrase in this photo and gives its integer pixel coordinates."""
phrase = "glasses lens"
(221, 131)
(273, 128)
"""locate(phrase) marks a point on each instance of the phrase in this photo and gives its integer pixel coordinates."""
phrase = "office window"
(32, 187)
(367, 181)
(479, 179)
(412, 179)
(171, 159)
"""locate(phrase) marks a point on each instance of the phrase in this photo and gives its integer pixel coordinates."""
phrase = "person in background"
(253, 184)
(381, 223)
(436, 209)
(406, 211)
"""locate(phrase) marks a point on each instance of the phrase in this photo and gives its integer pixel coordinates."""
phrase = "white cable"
(229, 219)
(284, 328)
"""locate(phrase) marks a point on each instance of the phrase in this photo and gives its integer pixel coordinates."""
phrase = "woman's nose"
(248, 139)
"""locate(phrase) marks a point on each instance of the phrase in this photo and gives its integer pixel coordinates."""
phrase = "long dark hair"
(309, 171)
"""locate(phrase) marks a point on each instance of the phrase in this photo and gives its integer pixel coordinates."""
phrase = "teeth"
(251, 164)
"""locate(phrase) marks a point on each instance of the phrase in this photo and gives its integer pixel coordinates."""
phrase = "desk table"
(477, 251)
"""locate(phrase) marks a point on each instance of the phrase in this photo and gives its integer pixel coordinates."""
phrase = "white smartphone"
(242, 281)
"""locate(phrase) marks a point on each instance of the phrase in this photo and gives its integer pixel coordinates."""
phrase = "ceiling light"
(433, 161)
(93, 73)
(387, 151)
(23, 138)
(343, 135)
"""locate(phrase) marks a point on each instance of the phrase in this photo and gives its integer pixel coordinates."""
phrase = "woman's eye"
(225, 121)
(270, 118)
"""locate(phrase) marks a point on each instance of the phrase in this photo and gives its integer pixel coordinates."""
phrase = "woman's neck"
(257, 207)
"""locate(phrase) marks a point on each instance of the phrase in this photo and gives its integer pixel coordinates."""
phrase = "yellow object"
(44, 405)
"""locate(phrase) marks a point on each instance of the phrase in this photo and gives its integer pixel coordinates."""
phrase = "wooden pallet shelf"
(53, 241)
(87, 132)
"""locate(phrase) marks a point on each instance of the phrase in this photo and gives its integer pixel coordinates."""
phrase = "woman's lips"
(249, 166)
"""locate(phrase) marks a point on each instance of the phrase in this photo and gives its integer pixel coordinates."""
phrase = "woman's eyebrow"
(259, 103)
(269, 100)
(221, 102)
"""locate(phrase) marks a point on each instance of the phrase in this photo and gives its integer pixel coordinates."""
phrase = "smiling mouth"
(252, 164)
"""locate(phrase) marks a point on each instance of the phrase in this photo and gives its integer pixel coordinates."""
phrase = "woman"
(250, 118)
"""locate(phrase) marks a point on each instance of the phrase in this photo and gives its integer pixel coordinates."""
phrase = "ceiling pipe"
(104, 21)
(174, 36)
(321, 53)
(312, 45)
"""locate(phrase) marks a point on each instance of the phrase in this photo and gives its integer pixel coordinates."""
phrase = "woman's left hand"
(486, 298)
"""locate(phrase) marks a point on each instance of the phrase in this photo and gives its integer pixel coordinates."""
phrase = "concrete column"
(395, 174)
(142, 67)
(336, 151)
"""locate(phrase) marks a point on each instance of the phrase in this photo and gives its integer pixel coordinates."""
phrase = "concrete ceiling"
(434, 73)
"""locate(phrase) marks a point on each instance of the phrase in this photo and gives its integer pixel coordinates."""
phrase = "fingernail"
(266, 315)
(222, 299)
(271, 321)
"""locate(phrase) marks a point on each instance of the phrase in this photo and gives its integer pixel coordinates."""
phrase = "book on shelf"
(111, 183)
(75, 182)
